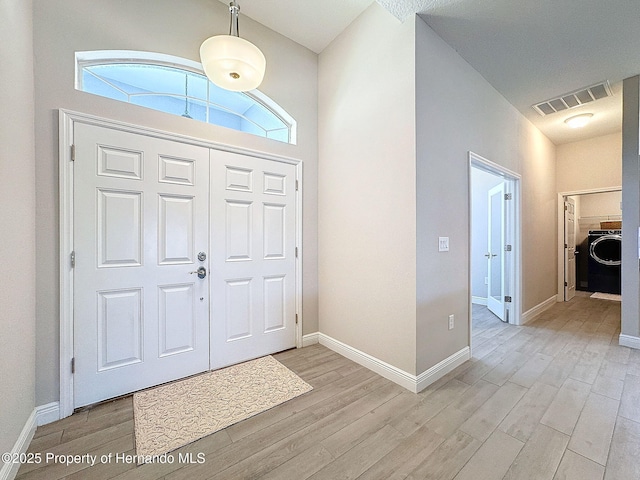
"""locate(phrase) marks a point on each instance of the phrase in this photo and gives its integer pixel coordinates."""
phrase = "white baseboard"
(310, 339)
(538, 309)
(41, 415)
(629, 341)
(479, 300)
(407, 380)
(47, 413)
(10, 470)
(439, 370)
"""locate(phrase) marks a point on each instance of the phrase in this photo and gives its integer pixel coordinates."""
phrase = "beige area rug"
(173, 415)
(607, 296)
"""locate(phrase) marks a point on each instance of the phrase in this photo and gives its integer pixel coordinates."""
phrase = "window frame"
(105, 57)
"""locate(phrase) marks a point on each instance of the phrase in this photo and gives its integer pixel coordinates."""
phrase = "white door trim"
(513, 233)
(67, 120)
(560, 229)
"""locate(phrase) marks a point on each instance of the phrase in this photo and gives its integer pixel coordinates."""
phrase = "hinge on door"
(296, 318)
(507, 248)
(73, 153)
(297, 185)
(73, 259)
(73, 365)
(508, 196)
(565, 245)
(566, 284)
(507, 299)
(296, 252)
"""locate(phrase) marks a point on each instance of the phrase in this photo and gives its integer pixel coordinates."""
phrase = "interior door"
(495, 255)
(141, 209)
(253, 235)
(569, 249)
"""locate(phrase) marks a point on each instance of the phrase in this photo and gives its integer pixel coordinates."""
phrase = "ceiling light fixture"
(578, 121)
(231, 62)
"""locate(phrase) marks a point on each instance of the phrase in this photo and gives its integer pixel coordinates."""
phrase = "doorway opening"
(494, 257)
(589, 242)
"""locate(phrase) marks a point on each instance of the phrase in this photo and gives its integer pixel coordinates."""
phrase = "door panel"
(140, 217)
(495, 255)
(253, 257)
(570, 249)
(119, 325)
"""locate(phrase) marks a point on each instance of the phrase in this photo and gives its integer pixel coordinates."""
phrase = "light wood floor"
(556, 399)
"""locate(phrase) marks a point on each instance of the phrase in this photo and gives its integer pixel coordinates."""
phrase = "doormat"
(173, 415)
(607, 296)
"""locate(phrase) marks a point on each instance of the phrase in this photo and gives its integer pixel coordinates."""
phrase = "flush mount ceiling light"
(578, 121)
(232, 62)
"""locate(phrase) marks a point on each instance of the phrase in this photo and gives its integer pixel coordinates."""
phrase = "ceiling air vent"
(574, 99)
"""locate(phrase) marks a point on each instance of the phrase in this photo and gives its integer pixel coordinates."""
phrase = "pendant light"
(232, 62)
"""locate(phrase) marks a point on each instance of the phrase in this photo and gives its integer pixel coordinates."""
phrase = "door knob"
(202, 272)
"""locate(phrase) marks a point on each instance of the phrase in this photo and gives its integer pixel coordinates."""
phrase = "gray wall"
(17, 221)
(595, 163)
(630, 210)
(175, 28)
(395, 131)
(457, 111)
(367, 188)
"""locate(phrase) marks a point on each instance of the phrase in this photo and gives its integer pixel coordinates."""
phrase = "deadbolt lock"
(202, 256)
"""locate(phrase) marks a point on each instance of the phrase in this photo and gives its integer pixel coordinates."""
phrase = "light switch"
(443, 244)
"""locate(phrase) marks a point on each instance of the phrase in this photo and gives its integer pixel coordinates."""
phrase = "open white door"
(569, 249)
(141, 217)
(253, 278)
(495, 254)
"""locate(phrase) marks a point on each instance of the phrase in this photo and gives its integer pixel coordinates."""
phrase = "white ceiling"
(530, 51)
(311, 23)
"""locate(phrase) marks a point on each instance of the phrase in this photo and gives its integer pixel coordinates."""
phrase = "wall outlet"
(451, 322)
(443, 244)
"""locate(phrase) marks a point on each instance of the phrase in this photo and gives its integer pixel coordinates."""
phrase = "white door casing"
(140, 220)
(569, 249)
(253, 310)
(495, 254)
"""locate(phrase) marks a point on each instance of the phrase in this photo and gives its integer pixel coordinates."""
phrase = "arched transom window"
(178, 86)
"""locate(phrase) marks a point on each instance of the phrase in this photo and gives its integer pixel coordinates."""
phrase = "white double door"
(148, 214)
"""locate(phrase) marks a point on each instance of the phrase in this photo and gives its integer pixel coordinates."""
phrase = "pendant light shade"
(231, 62)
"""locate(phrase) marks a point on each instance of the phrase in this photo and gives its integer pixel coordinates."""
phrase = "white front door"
(569, 249)
(253, 276)
(141, 216)
(495, 254)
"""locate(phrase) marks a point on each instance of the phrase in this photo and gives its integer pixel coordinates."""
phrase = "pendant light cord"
(234, 30)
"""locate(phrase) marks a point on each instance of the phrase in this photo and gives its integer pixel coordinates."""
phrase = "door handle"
(202, 272)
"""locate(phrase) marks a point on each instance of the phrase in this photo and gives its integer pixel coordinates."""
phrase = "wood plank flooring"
(556, 399)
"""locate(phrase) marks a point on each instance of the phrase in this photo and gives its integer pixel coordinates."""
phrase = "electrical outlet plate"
(451, 322)
(443, 244)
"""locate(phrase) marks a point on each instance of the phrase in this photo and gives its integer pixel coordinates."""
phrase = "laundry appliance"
(605, 258)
